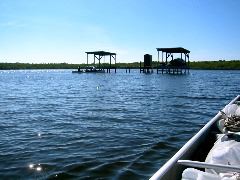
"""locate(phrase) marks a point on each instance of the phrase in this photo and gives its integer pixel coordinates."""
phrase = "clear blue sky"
(44, 31)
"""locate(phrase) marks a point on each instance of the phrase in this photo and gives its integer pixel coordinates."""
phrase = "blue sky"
(56, 31)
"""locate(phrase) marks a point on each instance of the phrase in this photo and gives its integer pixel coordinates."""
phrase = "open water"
(55, 124)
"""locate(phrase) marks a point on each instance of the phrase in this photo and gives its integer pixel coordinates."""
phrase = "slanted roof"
(101, 53)
(173, 50)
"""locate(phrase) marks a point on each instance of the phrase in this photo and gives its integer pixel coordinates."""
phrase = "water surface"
(55, 124)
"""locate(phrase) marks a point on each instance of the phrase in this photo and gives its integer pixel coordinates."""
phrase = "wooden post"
(115, 63)
(185, 62)
(140, 66)
(162, 56)
(87, 59)
(166, 58)
(99, 62)
(110, 60)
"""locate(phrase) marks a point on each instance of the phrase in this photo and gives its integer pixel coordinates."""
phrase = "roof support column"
(99, 62)
(166, 57)
(115, 63)
(162, 56)
(110, 60)
(185, 60)
(87, 59)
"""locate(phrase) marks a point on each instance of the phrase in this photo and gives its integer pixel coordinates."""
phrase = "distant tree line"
(15, 66)
(211, 65)
(216, 65)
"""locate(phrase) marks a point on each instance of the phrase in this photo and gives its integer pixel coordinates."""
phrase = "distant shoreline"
(198, 65)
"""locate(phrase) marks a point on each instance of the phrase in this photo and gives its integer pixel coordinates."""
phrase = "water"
(55, 124)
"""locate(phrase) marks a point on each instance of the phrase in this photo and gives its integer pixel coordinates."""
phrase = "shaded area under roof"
(174, 50)
(101, 53)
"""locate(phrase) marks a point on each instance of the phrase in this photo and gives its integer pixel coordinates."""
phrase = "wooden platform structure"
(99, 55)
(174, 66)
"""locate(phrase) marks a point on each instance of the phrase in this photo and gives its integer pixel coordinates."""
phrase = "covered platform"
(169, 64)
(99, 55)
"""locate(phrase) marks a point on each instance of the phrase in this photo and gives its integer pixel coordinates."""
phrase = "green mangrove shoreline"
(201, 65)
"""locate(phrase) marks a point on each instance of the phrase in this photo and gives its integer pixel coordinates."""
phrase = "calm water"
(55, 124)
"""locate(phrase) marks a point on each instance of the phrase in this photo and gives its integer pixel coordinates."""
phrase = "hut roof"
(101, 53)
(174, 50)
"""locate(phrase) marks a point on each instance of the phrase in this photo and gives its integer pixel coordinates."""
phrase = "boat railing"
(198, 164)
